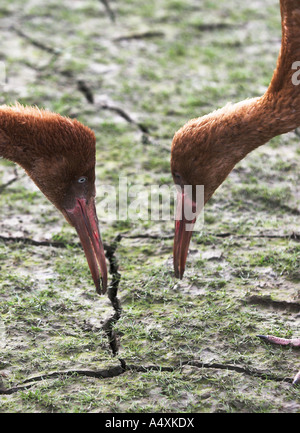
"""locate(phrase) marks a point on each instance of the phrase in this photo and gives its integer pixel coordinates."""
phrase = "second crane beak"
(184, 223)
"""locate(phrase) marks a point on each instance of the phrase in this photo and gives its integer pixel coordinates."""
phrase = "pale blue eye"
(82, 179)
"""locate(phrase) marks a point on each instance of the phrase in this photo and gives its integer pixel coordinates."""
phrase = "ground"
(135, 72)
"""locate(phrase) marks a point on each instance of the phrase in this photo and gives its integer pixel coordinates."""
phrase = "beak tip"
(84, 218)
(101, 286)
(178, 273)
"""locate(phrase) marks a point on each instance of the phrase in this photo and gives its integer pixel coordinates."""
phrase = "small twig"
(83, 88)
(36, 43)
(208, 27)
(125, 116)
(55, 244)
(147, 236)
(144, 35)
(108, 9)
(29, 241)
(2, 187)
(58, 244)
(292, 236)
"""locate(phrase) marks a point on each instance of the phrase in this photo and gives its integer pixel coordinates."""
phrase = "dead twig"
(209, 27)
(29, 241)
(31, 381)
(125, 115)
(144, 35)
(85, 89)
(5, 185)
(36, 43)
(292, 236)
(108, 9)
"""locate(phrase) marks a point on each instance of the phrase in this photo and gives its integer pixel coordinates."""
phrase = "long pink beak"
(183, 232)
(84, 218)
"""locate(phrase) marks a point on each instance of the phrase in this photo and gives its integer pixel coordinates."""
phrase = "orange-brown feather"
(205, 150)
(53, 149)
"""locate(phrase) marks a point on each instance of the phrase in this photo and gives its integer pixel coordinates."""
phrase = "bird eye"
(82, 179)
(177, 175)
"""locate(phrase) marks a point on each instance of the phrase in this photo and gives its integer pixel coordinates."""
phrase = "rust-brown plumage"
(58, 154)
(206, 149)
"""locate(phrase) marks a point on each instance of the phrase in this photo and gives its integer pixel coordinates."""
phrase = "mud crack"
(29, 241)
(123, 368)
(267, 301)
(112, 295)
(292, 236)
